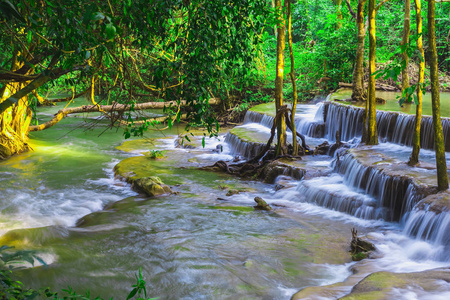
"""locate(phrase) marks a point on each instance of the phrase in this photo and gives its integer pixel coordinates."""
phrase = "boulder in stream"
(151, 186)
(261, 204)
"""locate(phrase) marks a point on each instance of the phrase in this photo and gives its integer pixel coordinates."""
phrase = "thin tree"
(281, 40)
(358, 71)
(372, 137)
(439, 145)
(358, 92)
(414, 158)
(405, 42)
(294, 85)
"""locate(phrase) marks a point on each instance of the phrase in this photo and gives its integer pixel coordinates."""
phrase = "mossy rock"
(151, 186)
(140, 175)
(379, 285)
(265, 108)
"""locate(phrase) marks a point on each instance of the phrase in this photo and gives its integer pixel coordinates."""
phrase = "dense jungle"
(251, 149)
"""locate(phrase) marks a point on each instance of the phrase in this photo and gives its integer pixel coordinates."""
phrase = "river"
(94, 232)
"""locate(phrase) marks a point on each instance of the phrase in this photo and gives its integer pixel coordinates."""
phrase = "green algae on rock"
(140, 176)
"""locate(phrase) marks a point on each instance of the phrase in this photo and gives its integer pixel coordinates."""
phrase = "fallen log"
(115, 107)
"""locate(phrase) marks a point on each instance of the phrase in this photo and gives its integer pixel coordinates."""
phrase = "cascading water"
(201, 242)
(392, 127)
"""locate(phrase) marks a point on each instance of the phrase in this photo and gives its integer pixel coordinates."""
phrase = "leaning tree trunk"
(439, 145)
(14, 120)
(405, 42)
(294, 85)
(372, 137)
(358, 93)
(281, 40)
(414, 158)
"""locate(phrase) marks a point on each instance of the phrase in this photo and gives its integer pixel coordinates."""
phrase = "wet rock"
(322, 149)
(261, 204)
(180, 143)
(219, 149)
(276, 168)
(437, 203)
(382, 285)
(151, 186)
(232, 192)
(283, 182)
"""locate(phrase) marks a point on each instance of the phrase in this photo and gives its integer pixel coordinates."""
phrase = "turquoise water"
(392, 102)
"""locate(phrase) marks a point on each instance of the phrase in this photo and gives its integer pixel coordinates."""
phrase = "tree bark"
(405, 42)
(294, 85)
(281, 40)
(108, 108)
(372, 136)
(338, 4)
(439, 146)
(414, 158)
(358, 93)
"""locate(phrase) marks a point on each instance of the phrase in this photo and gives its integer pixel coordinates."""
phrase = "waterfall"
(347, 119)
(332, 193)
(255, 117)
(394, 195)
(242, 148)
(431, 226)
(392, 127)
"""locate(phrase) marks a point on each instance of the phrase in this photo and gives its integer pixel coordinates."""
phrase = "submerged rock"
(261, 204)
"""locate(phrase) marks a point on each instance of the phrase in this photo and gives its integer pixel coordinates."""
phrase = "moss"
(376, 284)
(266, 108)
(141, 144)
(233, 208)
(250, 136)
(138, 172)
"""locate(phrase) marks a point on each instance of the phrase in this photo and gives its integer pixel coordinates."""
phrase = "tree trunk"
(294, 85)
(281, 40)
(358, 93)
(372, 136)
(405, 41)
(339, 15)
(414, 158)
(15, 119)
(439, 145)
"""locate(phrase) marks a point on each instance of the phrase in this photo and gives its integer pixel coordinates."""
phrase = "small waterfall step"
(309, 119)
(397, 186)
(430, 220)
(247, 140)
(333, 193)
(393, 127)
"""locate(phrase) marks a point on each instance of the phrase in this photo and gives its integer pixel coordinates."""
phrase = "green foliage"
(156, 154)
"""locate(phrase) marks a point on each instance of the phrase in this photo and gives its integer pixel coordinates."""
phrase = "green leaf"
(203, 142)
(110, 31)
(132, 293)
(29, 36)
(416, 100)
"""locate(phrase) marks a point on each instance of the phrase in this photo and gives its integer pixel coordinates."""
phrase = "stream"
(94, 232)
